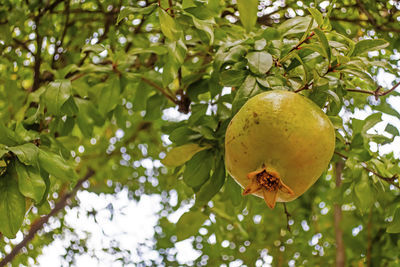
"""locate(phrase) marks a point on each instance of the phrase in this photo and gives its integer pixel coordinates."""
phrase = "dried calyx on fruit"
(269, 183)
(277, 146)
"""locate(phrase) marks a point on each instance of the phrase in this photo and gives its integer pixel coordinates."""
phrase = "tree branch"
(288, 216)
(38, 58)
(60, 42)
(37, 225)
(390, 180)
(340, 250)
(377, 93)
(159, 88)
(369, 238)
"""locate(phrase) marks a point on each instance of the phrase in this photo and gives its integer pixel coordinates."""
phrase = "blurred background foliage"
(94, 93)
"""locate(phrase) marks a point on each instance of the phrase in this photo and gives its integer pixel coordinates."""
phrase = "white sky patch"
(132, 226)
(186, 252)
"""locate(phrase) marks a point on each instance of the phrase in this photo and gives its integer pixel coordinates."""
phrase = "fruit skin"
(284, 132)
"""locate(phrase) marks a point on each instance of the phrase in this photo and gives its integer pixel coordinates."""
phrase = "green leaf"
(159, 50)
(30, 183)
(188, 3)
(392, 130)
(69, 107)
(325, 44)
(26, 153)
(364, 193)
(7, 136)
(357, 73)
(183, 135)
(316, 15)
(179, 155)
(232, 78)
(189, 224)
(205, 26)
(234, 191)
(134, 11)
(109, 96)
(394, 226)
(197, 169)
(248, 89)
(12, 206)
(371, 121)
(259, 62)
(294, 25)
(176, 56)
(337, 121)
(248, 13)
(168, 25)
(213, 186)
(97, 48)
(56, 94)
(56, 166)
(154, 107)
(364, 46)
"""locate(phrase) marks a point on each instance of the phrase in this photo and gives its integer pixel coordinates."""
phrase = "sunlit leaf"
(30, 182)
(248, 13)
(189, 224)
(12, 206)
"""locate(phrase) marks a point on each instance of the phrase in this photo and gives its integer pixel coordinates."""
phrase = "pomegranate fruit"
(278, 145)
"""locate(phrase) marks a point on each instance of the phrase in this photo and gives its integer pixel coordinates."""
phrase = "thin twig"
(60, 42)
(297, 47)
(159, 88)
(38, 56)
(308, 85)
(288, 216)
(390, 180)
(37, 225)
(377, 93)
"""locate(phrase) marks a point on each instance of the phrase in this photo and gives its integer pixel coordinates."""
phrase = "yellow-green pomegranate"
(277, 145)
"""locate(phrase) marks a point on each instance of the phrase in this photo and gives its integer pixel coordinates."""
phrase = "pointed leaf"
(135, 10)
(109, 97)
(213, 186)
(56, 165)
(189, 224)
(325, 44)
(7, 136)
(248, 89)
(248, 13)
(12, 206)
(364, 46)
(168, 25)
(394, 226)
(316, 15)
(259, 62)
(26, 153)
(56, 94)
(197, 169)
(30, 183)
(181, 154)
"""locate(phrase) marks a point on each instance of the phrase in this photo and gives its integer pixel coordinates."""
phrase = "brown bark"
(340, 250)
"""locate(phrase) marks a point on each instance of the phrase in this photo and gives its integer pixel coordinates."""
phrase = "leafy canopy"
(87, 92)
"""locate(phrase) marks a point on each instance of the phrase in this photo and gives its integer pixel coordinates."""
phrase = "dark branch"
(288, 216)
(38, 56)
(60, 42)
(377, 93)
(37, 225)
(159, 88)
(390, 180)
